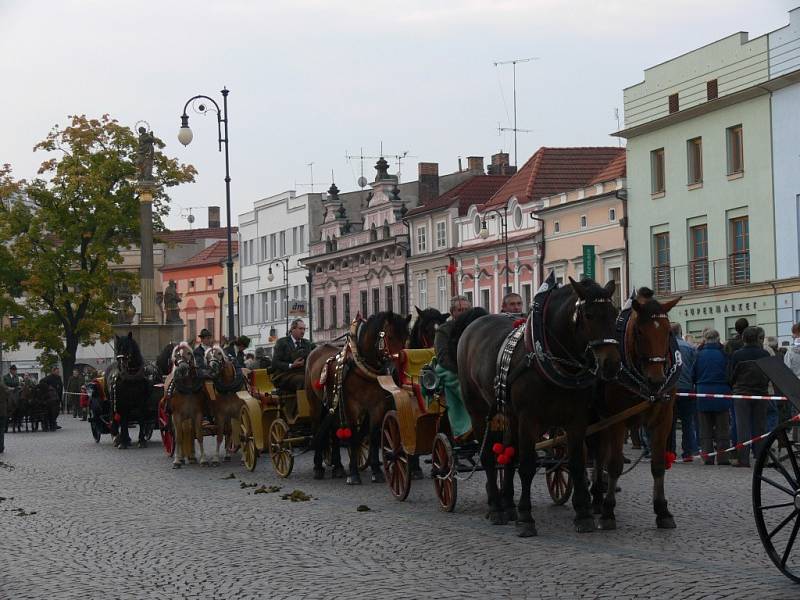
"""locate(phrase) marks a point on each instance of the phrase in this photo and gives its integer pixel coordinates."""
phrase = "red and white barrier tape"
(729, 396)
(738, 446)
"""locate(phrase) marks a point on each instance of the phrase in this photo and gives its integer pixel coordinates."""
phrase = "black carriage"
(103, 419)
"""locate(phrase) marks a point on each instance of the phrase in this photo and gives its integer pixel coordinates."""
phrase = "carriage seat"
(412, 361)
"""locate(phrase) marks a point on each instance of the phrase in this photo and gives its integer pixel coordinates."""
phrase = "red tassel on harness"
(669, 458)
(117, 417)
(317, 385)
(518, 323)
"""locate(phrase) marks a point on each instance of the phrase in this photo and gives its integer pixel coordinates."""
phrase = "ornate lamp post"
(185, 136)
(284, 263)
(484, 233)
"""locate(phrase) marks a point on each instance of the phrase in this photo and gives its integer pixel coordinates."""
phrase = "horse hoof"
(417, 474)
(319, 473)
(338, 472)
(511, 514)
(497, 517)
(215, 463)
(584, 525)
(666, 522)
(525, 530)
(378, 477)
(353, 480)
(177, 465)
(607, 524)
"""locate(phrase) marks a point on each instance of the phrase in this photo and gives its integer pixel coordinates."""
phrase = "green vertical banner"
(588, 261)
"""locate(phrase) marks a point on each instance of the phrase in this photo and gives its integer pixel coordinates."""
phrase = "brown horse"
(360, 404)
(186, 401)
(226, 406)
(549, 387)
(649, 374)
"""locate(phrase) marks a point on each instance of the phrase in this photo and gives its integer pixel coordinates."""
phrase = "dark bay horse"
(361, 403)
(129, 385)
(424, 329)
(579, 331)
(649, 374)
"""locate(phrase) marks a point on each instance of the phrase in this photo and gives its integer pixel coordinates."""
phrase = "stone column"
(148, 292)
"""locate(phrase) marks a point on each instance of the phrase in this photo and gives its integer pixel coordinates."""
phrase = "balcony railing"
(702, 274)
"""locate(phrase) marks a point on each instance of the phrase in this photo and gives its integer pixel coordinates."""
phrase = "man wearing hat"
(242, 342)
(206, 341)
(289, 360)
(11, 379)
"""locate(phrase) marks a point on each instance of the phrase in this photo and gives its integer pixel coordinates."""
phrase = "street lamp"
(484, 233)
(220, 295)
(185, 136)
(284, 263)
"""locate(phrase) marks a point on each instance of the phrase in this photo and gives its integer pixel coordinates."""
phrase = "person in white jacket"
(792, 360)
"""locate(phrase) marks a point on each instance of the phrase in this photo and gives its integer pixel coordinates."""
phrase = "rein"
(223, 387)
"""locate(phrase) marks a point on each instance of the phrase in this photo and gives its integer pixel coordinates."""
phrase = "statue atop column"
(145, 155)
(171, 300)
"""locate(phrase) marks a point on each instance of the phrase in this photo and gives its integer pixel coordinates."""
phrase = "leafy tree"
(68, 248)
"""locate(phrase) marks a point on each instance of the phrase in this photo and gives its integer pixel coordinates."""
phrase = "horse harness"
(631, 377)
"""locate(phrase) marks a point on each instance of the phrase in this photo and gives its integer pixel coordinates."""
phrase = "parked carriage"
(101, 415)
(278, 423)
(416, 428)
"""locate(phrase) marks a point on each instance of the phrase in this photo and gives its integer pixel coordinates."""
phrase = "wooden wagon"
(416, 428)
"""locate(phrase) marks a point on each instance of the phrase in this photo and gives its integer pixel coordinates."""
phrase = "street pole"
(185, 137)
(505, 238)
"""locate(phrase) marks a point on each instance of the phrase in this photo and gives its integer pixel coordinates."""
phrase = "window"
(283, 243)
(526, 296)
(441, 292)
(517, 217)
(303, 292)
(373, 233)
(614, 275)
(263, 247)
(657, 184)
(192, 328)
(264, 306)
(712, 90)
(401, 298)
(361, 260)
(295, 246)
(273, 245)
(210, 324)
(333, 311)
(364, 304)
(346, 309)
(612, 215)
(556, 227)
(698, 267)
(469, 296)
(191, 284)
(476, 225)
(389, 293)
(584, 222)
(284, 301)
(486, 299)
(735, 150)
(739, 259)
(441, 234)
(376, 300)
(662, 277)
(321, 313)
(694, 161)
(422, 292)
(210, 283)
(674, 105)
(252, 309)
(421, 242)
(273, 302)
(301, 238)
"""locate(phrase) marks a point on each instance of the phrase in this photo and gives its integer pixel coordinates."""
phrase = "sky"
(312, 81)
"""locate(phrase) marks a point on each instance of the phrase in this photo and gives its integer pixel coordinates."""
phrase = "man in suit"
(289, 359)
(11, 379)
(206, 341)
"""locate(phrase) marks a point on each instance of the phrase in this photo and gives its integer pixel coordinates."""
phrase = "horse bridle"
(643, 360)
(592, 345)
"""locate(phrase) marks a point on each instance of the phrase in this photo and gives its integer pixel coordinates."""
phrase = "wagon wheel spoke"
(771, 506)
(784, 438)
(785, 490)
(790, 543)
(783, 523)
(779, 467)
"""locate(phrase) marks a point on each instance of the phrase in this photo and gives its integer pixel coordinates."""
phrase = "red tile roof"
(475, 190)
(188, 236)
(213, 255)
(614, 170)
(554, 170)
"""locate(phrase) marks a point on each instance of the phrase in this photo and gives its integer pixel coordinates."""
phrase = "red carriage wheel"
(444, 472)
(395, 458)
(559, 481)
(167, 431)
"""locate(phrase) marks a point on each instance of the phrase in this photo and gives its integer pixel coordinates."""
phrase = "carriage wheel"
(444, 470)
(247, 442)
(280, 451)
(559, 481)
(167, 430)
(395, 459)
(776, 499)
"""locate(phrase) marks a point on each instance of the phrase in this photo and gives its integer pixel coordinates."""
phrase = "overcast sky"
(312, 80)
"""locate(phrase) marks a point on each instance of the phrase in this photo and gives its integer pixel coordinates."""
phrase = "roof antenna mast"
(513, 64)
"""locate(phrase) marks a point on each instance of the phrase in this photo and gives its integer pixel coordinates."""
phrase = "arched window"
(373, 233)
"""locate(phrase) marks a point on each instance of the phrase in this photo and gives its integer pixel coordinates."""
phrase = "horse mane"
(163, 361)
(127, 345)
(460, 324)
(397, 325)
(177, 349)
(424, 317)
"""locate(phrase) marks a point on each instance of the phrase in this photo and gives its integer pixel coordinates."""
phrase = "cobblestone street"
(96, 522)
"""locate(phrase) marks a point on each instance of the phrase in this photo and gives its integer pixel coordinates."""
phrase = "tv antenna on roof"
(513, 63)
(186, 213)
(311, 185)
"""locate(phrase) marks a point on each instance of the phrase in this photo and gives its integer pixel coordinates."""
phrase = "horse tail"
(460, 325)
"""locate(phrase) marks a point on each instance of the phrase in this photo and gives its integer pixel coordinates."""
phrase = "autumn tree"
(67, 248)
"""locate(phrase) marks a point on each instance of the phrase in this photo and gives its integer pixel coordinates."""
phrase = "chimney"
(475, 164)
(213, 216)
(500, 165)
(428, 182)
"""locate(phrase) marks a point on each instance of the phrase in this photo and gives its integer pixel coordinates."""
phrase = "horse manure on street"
(363, 508)
(297, 496)
(230, 476)
(4, 465)
(21, 513)
(267, 490)
(244, 485)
